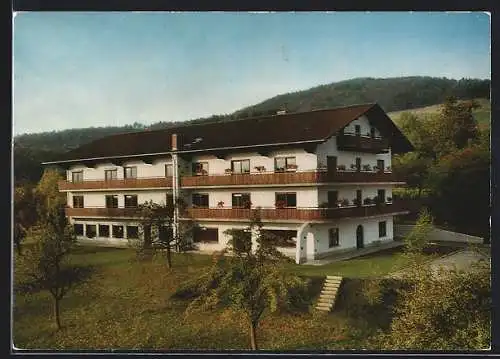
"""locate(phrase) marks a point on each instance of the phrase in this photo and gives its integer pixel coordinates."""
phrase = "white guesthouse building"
(321, 180)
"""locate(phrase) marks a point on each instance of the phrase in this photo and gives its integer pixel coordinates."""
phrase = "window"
(111, 201)
(241, 200)
(381, 195)
(372, 132)
(77, 176)
(104, 230)
(285, 163)
(200, 200)
(380, 165)
(169, 170)
(357, 130)
(169, 200)
(132, 232)
(117, 231)
(359, 197)
(130, 172)
(78, 228)
(110, 174)
(240, 166)
(130, 201)
(333, 237)
(91, 230)
(358, 164)
(382, 229)
(77, 201)
(200, 168)
(286, 200)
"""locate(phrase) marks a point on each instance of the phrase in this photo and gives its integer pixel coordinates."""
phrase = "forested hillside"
(393, 94)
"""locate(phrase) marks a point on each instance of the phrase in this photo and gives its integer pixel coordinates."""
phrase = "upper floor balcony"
(361, 143)
(288, 178)
(245, 214)
(132, 183)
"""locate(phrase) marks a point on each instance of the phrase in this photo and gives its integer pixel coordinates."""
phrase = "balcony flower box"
(260, 168)
(388, 169)
(353, 166)
(291, 167)
(220, 204)
(389, 200)
(280, 169)
(356, 202)
(341, 168)
(367, 168)
(344, 202)
(202, 173)
(228, 171)
(280, 204)
(367, 201)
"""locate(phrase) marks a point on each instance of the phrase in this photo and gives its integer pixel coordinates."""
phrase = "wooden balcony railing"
(149, 182)
(267, 178)
(349, 142)
(295, 214)
(286, 178)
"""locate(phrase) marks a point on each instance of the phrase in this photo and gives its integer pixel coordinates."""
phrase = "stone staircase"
(328, 295)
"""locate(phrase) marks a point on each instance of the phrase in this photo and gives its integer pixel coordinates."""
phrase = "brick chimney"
(174, 142)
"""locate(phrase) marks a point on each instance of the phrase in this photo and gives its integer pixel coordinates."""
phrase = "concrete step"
(333, 277)
(328, 303)
(331, 283)
(328, 294)
(331, 286)
(323, 309)
(324, 306)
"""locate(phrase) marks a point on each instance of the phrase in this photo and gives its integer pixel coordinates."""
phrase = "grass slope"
(126, 305)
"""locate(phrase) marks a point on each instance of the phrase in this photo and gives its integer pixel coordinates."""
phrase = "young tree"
(156, 223)
(418, 238)
(251, 280)
(25, 214)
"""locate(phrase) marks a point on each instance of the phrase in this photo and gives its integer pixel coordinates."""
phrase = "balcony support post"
(175, 190)
(301, 239)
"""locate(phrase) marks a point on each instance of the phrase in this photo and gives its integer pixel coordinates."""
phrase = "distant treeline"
(393, 94)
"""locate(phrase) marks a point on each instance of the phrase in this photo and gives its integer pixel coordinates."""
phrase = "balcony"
(286, 178)
(146, 182)
(101, 212)
(295, 214)
(352, 142)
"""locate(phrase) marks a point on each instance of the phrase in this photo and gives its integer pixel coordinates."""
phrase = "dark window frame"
(132, 169)
(127, 201)
(197, 202)
(286, 165)
(78, 201)
(79, 176)
(110, 178)
(381, 195)
(243, 198)
(241, 166)
(100, 230)
(78, 232)
(357, 130)
(200, 168)
(114, 199)
(333, 241)
(286, 198)
(135, 232)
(88, 231)
(382, 229)
(169, 165)
(115, 234)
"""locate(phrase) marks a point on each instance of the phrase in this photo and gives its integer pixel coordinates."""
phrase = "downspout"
(175, 188)
(298, 245)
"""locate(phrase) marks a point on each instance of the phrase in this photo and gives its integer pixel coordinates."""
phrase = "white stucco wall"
(349, 192)
(216, 166)
(98, 199)
(263, 197)
(347, 233)
(347, 158)
(157, 169)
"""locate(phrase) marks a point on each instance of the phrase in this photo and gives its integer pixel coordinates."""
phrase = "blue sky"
(74, 70)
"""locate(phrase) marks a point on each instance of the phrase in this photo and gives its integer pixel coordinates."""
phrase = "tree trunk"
(169, 259)
(253, 338)
(56, 313)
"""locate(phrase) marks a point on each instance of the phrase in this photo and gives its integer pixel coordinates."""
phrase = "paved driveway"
(461, 260)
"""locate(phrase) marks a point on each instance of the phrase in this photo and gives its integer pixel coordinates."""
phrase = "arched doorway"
(359, 237)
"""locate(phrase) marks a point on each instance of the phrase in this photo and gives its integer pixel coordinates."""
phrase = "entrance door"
(331, 163)
(333, 197)
(359, 237)
(380, 165)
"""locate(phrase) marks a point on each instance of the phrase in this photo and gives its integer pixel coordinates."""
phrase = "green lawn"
(126, 305)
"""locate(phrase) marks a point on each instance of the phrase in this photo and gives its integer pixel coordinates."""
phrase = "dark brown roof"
(313, 126)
